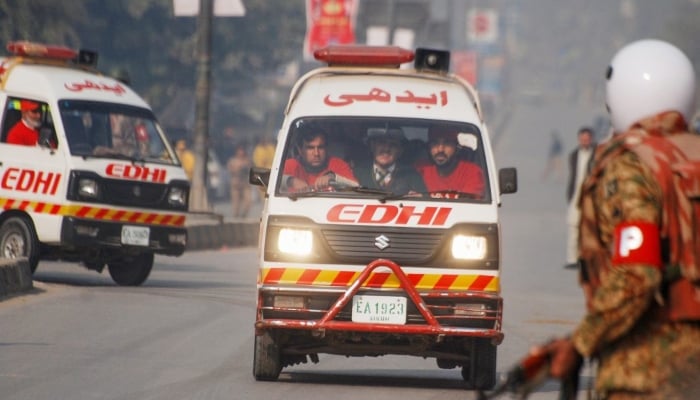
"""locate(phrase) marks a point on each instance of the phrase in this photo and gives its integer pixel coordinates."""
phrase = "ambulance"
(355, 269)
(86, 172)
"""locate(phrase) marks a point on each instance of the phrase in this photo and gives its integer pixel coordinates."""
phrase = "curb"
(223, 234)
(15, 276)
(204, 233)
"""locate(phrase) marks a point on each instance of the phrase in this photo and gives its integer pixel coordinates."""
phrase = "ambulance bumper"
(80, 233)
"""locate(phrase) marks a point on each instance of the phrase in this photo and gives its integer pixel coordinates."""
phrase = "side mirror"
(259, 176)
(508, 180)
(46, 137)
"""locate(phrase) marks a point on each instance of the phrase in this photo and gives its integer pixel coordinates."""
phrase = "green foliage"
(158, 49)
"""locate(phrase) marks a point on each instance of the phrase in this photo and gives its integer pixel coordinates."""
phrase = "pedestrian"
(264, 152)
(642, 323)
(238, 166)
(580, 160)
(554, 156)
(186, 157)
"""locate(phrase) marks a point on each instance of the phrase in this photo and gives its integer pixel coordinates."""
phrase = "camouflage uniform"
(641, 353)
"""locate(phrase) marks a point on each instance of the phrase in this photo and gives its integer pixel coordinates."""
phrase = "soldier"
(644, 350)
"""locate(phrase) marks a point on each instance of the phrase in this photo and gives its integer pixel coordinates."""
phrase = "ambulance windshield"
(384, 158)
(106, 130)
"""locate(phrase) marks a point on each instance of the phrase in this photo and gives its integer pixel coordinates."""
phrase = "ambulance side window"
(13, 115)
(11, 118)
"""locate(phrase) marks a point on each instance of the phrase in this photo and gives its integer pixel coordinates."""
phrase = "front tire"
(483, 377)
(18, 239)
(267, 362)
(131, 270)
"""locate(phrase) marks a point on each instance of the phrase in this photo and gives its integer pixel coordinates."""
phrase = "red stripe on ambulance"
(303, 276)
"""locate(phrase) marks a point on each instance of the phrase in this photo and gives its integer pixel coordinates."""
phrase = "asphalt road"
(187, 332)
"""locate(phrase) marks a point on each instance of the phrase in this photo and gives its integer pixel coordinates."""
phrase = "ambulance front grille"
(132, 193)
(366, 243)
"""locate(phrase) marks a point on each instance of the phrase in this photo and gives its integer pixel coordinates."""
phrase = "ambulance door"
(33, 178)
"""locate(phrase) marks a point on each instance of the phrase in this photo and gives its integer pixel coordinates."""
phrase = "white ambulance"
(355, 264)
(86, 172)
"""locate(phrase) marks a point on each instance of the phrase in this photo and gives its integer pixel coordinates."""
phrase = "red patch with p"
(637, 243)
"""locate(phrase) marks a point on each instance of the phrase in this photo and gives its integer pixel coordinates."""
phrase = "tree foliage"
(159, 50)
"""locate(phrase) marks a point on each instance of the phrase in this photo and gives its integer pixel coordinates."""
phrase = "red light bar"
(30, 49)
(364, 55)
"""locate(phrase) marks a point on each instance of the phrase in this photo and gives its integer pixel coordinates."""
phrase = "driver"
(446, 172)
(313, 169)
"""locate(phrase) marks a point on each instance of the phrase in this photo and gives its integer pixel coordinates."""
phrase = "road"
(187, 332)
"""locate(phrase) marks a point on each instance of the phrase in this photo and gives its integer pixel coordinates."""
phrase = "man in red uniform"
(26, 131)
(447, 175)
(312, 169)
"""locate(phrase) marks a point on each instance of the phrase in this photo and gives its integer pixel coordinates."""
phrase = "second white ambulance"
(86, 172)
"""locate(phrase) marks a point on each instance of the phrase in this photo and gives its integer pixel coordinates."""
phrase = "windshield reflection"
(105, 130)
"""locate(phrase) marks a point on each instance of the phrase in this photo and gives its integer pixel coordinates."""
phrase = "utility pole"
(198, 195)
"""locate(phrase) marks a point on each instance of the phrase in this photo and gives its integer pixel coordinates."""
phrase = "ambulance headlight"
(469, 247)
(177, 196)
(88, 187)
(295, 241)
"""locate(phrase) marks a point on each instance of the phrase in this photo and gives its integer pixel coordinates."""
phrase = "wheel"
(267, 362)
(131, 270)
(18, 239)
(444, 363)
(483, 377)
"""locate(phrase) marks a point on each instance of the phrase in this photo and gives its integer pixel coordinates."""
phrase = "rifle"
(528, 374)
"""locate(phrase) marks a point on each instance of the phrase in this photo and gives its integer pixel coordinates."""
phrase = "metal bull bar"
(431, 327)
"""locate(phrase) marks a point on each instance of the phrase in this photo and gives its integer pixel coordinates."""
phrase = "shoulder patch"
(637, 243)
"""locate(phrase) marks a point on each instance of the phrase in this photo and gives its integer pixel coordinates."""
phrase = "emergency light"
(355, 55)
(31, 49)
(51, 52)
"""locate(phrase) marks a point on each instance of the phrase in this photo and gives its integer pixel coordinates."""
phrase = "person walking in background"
(238, 166)
(642, 320)
(580, 161)
(186, 157)
(554, 157)
(264, 152)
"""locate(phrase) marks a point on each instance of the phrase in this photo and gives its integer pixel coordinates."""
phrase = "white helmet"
(648, 77)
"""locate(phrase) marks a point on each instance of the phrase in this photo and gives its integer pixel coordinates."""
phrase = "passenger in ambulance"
(384, 170)
(26, 130)
(447, 174)
(312, 168)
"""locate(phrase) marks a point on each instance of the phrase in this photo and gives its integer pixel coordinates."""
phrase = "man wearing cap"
(447, 174)
(385, 172)
(26, 131)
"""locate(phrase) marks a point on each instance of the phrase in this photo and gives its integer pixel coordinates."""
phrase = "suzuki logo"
(381, 242)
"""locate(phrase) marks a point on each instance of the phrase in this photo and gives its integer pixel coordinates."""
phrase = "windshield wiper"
(118, 156)
(384, 195)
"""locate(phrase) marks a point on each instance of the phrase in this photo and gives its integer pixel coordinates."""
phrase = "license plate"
(135, 235)
(379, 309)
